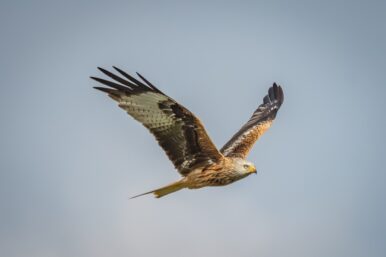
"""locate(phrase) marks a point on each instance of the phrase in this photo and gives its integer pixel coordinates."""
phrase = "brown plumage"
(241, 143)
(183, 137)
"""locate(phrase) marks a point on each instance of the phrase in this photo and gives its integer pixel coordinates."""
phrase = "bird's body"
(219, 174)
(183, 137)
(222, 173)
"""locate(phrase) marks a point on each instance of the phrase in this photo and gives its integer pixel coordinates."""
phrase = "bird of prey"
(183, 137)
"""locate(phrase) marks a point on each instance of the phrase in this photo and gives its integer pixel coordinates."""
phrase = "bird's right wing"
(241, 143)
(177, 130)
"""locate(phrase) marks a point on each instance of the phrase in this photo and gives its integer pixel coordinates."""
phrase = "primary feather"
(178, 131)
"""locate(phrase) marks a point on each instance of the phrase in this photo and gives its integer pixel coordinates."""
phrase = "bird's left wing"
(241, 143)
(178, 131)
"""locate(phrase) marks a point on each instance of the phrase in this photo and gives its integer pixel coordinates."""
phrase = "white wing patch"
(145, 108)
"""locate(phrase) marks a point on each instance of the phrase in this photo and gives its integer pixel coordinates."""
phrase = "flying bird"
(183, 137)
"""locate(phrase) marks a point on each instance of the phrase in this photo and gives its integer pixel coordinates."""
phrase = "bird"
(182, 135)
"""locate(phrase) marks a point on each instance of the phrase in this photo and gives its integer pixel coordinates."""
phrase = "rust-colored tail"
(165, 190)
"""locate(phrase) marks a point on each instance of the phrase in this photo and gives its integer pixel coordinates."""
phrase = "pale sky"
(70, 158)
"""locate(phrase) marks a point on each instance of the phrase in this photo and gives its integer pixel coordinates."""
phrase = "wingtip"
(279, 92)
(117, 69)
(275, 92)
(148, 83)
(104, 90)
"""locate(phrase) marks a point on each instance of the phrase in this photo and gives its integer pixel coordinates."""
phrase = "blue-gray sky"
(70, 158)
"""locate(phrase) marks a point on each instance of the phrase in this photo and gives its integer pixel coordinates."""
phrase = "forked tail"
(165, 190)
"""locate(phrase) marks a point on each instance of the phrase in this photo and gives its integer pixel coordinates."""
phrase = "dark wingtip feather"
(111, 92)
(112, 84)
(281, 94)
(266, 99)
(278, 93)
(104, 71)
(274, 85)
(103, 89)
(132, 79)
(275, 94)
(95, 78)
(148, 83)
(117, 78)
(271, 93)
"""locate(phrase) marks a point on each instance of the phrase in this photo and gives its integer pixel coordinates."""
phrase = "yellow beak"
(252, 169)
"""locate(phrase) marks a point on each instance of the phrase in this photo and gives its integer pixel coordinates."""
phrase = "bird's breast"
(209, 177)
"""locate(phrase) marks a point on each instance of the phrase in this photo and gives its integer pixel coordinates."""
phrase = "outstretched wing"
(261, 120)
(177, 130)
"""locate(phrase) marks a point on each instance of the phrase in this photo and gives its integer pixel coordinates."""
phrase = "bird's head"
(245, 167)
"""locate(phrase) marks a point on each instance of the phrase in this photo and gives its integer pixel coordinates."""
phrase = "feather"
(242, 142)
(116, 78)
(178, 131)
(148, 83)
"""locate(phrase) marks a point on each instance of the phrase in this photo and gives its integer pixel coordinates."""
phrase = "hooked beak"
(252, 169)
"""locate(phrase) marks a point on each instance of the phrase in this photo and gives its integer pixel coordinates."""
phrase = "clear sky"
(69, 158)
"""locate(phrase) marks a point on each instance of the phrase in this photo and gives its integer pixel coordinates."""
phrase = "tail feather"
(171, 188)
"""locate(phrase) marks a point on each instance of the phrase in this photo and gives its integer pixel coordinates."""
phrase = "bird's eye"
(246, 166)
